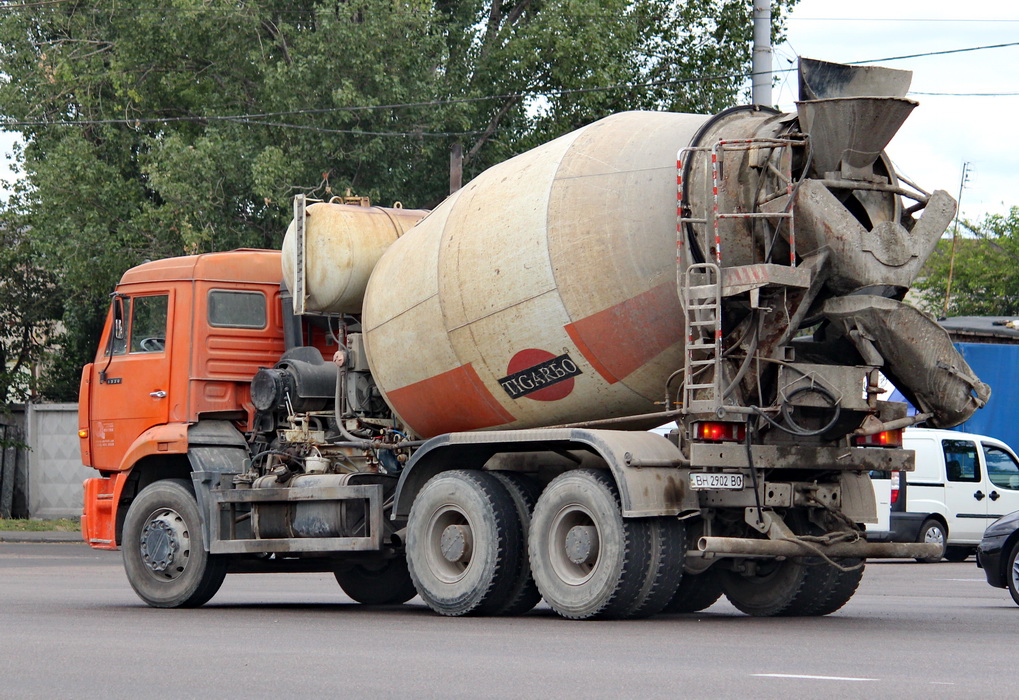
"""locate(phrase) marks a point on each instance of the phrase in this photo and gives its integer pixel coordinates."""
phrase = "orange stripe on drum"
(449, 402)
(622, 338)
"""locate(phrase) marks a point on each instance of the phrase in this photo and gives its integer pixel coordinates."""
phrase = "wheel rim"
(165, 544)
(934, 536)
(1015, 574)
(450, 543)
(574, 542)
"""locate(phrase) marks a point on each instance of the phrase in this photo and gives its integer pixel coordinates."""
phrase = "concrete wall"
(55, 471)
(42, 478)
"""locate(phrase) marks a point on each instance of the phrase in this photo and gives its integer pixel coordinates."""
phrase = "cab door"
(131, 375)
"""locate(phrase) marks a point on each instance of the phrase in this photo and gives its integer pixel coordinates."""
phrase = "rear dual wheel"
(591, 563)
(465, 545)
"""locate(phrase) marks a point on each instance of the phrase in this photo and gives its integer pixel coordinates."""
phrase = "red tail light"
(719, 432)
(895, 487)
(888, 438)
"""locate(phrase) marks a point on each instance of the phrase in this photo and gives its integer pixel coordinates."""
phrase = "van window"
(961, 460)
(1001, 468)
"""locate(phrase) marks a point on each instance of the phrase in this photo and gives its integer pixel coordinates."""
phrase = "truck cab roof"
(241, 265)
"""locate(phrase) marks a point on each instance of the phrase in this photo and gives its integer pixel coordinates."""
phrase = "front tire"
(464, 544)
(164, 551)
(933, 532)
(1012, 573)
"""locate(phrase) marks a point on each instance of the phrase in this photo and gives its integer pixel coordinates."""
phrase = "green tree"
(28, 304)
(155, 129)
(984, 270)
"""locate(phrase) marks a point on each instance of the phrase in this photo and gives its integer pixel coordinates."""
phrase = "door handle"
(995, 495)
(979, 495)
(158, 394)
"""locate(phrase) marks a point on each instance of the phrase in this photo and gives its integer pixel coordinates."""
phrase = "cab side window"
(148, 323)
(961, 462)
(1002, 469)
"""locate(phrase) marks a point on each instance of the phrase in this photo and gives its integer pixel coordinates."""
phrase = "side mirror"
(118, 317)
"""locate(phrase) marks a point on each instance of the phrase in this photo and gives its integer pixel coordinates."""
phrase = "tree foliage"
(158, 128)
(984, 274)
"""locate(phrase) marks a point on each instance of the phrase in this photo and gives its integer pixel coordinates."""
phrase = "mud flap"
(918, 355)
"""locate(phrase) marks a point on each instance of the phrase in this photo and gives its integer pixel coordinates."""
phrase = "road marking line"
(812, 678)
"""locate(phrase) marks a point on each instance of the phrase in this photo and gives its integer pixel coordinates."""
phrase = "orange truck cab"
(183, 338)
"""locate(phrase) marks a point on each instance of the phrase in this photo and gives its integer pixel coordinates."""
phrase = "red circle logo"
(531, 358)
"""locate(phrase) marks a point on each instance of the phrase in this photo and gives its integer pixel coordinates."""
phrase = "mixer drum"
(543, 292)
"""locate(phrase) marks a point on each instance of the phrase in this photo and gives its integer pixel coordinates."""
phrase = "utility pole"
(456, 167)
(955, 239)
(761, 63)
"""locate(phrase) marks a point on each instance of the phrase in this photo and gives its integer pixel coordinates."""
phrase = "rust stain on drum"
(624, 337)
(453, 401)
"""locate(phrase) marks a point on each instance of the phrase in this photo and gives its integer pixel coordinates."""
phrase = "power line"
(252, 118)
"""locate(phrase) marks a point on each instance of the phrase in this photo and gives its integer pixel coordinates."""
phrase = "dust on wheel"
(587, 560)
(464, 543)
(164, 553)
(383, 582)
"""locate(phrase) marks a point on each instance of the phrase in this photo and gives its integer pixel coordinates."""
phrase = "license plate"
(704, 480)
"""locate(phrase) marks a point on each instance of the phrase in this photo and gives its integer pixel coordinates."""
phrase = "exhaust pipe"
(746, 547)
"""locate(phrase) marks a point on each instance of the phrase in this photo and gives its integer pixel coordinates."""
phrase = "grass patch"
(33, 525)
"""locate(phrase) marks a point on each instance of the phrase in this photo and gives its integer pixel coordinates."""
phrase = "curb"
(19, 537)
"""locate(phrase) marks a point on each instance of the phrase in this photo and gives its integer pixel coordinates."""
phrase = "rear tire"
(464, 543)
(933, 531)
(696, 592)
(587, 560)
(165, 558)
(524, 492)
(385, 582)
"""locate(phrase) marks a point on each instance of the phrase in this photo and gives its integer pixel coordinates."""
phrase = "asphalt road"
(70, 626)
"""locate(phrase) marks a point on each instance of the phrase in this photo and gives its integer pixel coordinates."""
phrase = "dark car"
(998, 553)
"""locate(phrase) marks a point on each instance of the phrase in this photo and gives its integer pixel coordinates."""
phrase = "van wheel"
(932, 532)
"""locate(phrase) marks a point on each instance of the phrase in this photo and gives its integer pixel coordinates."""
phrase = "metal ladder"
(702, 308)
(701, 285)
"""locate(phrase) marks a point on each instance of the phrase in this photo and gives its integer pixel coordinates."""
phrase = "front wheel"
(1012, 573)
(164, 551)
(933, 532)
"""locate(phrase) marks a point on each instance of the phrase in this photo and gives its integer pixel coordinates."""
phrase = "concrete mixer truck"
(455, 404)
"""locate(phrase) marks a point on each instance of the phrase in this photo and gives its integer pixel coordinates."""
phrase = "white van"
(961, 484)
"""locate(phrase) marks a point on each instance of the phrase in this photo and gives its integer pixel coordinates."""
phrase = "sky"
(970, 121)
(972, 124)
